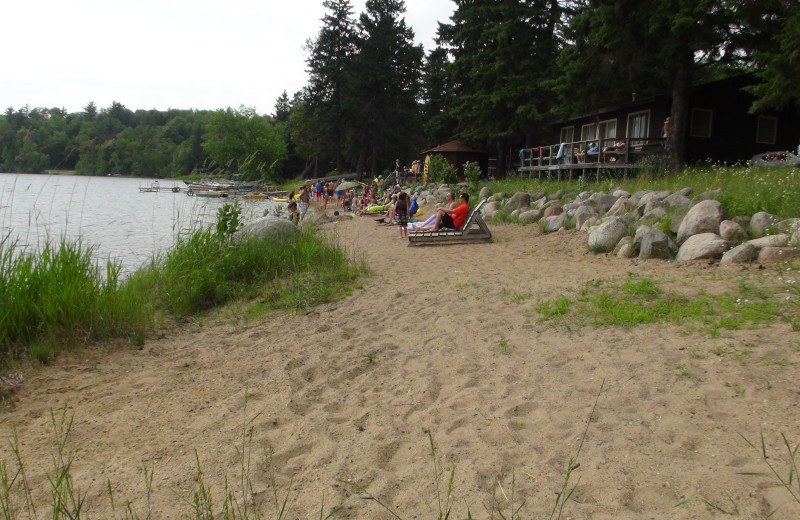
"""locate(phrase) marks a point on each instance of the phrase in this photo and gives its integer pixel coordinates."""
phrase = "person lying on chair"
(451, 218)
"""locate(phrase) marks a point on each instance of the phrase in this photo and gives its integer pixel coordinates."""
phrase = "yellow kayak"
(280, 199)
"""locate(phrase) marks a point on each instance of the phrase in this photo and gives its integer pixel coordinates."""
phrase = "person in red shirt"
(452, 218)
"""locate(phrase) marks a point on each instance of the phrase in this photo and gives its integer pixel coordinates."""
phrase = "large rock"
(624, 248)
(552, 224)
(619, 192)
(761, 223)
(279, 229)
(602, 201)
(539, 203)
(702, 245)
(789, 226)
(485, 193)
(605, 237)
(677, 200)
(656, 244)
(704, 217)
(741, 254)
(653, 196)
(490, 209)
(770, 241)
(552, 211)
(531, 215)
(621, 206)
(582, 214)
(731, 231)
(775, 255)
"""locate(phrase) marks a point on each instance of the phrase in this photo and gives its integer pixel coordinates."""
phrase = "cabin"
(458, 154)
(720, 130)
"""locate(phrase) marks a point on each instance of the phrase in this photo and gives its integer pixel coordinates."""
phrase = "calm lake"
(108, 213)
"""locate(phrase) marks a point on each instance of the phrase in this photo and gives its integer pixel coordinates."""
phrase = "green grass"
(640, 301)
(59, 298)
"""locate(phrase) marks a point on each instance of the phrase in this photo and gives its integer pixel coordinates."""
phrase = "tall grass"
(746, 189)
(60, 298)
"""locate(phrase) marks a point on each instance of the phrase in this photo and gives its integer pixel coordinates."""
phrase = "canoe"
(280, 199)
(256, 196)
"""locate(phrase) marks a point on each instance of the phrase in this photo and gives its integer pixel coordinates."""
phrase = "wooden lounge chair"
(467, 233)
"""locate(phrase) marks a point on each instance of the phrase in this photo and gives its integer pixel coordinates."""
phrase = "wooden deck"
(571, 159)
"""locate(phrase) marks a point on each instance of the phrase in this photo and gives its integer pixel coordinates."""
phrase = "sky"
(160, 54)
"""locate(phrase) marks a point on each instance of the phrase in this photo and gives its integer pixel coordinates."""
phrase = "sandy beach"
(442, 340)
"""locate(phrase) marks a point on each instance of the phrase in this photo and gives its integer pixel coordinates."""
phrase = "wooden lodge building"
(720, 130)
(458, 154)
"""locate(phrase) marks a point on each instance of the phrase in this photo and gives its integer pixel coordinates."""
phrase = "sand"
(442, 340)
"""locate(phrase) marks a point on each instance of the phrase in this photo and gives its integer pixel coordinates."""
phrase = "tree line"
(501, 73)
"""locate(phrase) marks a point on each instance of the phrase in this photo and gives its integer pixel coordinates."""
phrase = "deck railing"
(591, 154)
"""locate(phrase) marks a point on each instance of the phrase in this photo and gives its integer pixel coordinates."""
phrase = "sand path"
(457, 350)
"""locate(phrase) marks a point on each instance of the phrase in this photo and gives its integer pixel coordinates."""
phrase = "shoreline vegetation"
(60, 300)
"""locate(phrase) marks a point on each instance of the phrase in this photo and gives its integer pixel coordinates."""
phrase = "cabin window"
(607, 129)
(701, 122)
(767, 131)
(588, 132)
(567, 134)
(639, 125)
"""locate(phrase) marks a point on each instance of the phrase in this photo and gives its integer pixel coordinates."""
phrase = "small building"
(458, 155)
(719, 125)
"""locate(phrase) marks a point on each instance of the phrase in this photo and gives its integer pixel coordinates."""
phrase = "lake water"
(108, 213)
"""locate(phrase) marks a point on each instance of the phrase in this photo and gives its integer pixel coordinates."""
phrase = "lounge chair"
(467, 233)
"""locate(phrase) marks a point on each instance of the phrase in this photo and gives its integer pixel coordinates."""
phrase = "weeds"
(791, 481)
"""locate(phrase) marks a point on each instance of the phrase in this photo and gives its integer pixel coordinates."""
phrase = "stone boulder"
(624, 248)
(676, 200)
(741, 254)
(552, 211)
(552, 224)
(485, 193)
(519, 200)
(656, 244)
(761, 223)
(531, 215)
(278, 229)
(539, 203)
(490, 209)
(583, 213)
(607, 235)
(775, 255)
(731, 231)
(602, 202)
(652, 196)
(619, 192)
(701, 246)
(770, 241)
(621, 206)
(703, 217)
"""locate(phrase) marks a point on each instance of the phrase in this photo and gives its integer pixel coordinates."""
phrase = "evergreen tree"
(439, 124)
(503, 53)
(329, 65)
(386, 86)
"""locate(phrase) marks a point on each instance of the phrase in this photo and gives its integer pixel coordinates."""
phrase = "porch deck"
(577, 156)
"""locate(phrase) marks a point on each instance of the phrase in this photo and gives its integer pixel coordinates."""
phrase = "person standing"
(401, 213)
(302, 204)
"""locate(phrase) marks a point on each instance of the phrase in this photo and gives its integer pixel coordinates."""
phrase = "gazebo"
(458, 154)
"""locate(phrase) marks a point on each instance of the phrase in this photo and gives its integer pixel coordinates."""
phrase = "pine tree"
(386, 86)
(327, 97)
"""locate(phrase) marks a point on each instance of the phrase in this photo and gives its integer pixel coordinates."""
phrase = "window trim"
(605, 122)
(693, 132)
(774, 129)
(647, 114)
(571, 129)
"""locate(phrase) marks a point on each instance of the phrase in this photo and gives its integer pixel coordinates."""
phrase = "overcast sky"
(163, 54)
